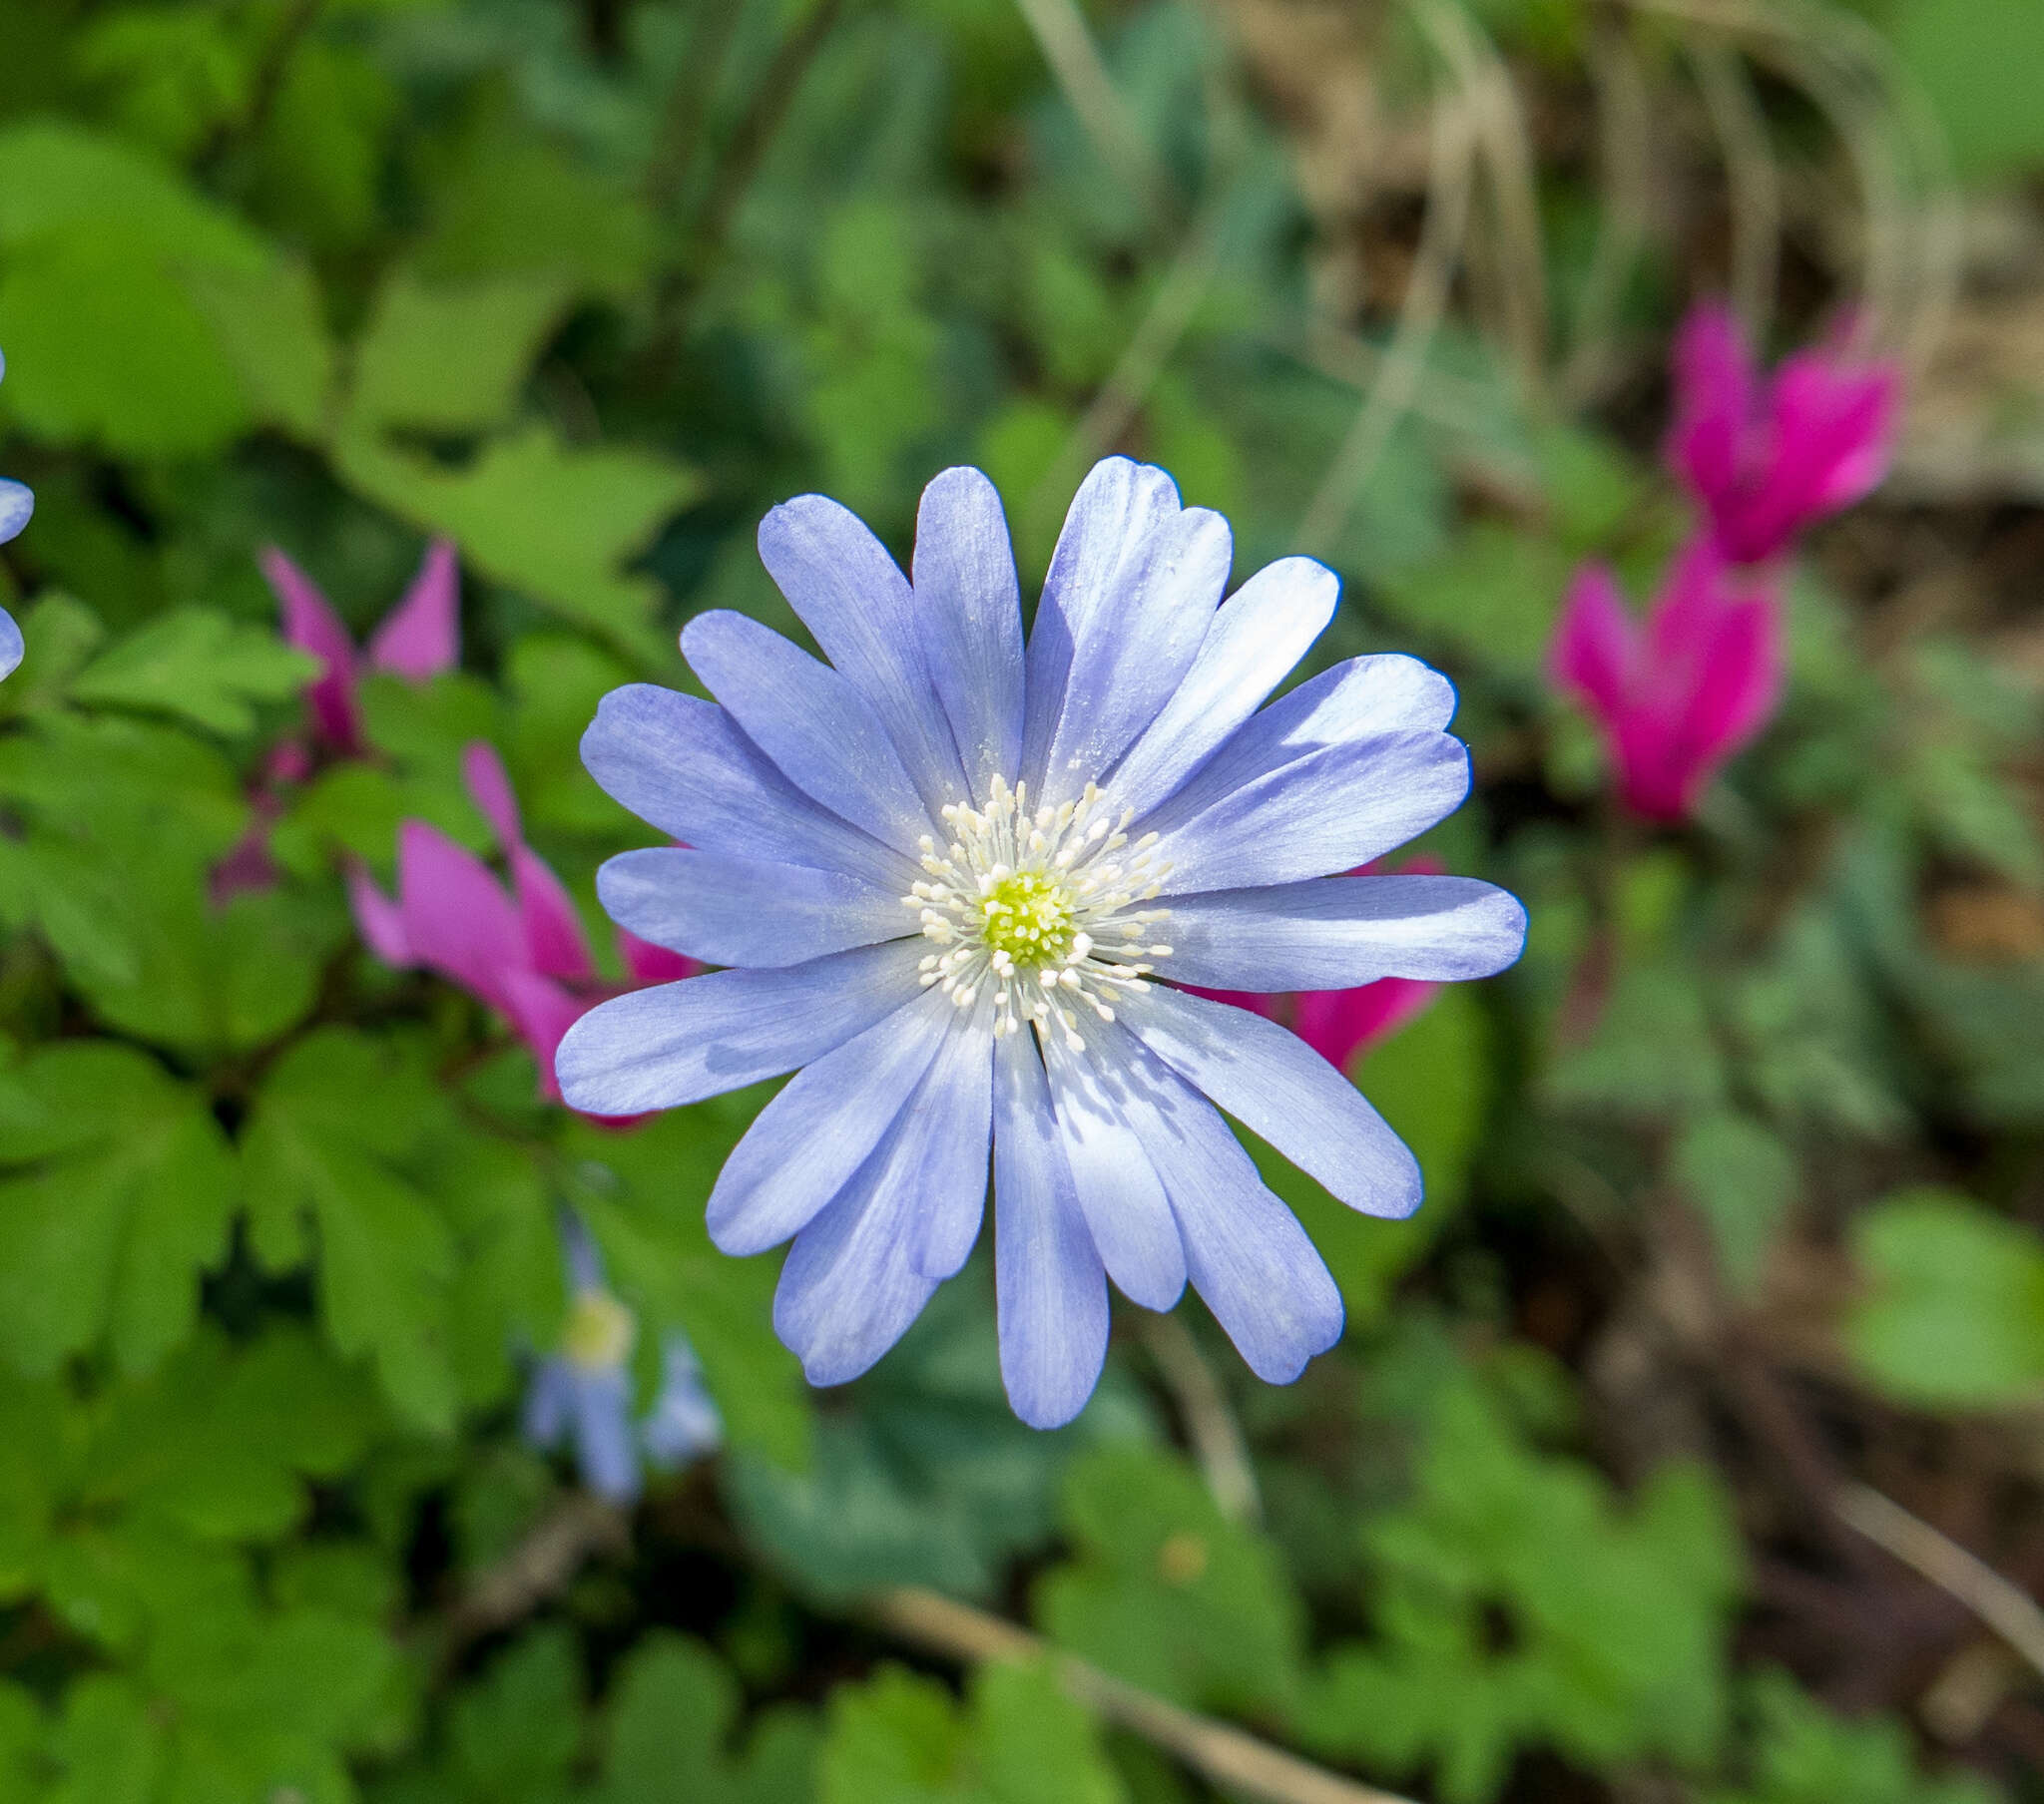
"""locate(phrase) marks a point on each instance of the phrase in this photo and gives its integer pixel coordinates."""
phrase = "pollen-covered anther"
(1019, 896)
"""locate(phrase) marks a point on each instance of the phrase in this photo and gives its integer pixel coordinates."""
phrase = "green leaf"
(1516, 1604)
(201, 665)
(117, 1191)
(554, 522)
(899, 1739)
(518, 203)
(103, 1748)
(220, 1440)
(1432, 1081)
(556, 683)
(1167, 1591)
(54, 174)
(104, 342)
(216, 979)
(643, 1195)
(1805, 1755)
(105, 348)
(451, 357)
(513, 1737)
(673, 1707)
(1743, 1178)
(1973, 58)
(271, 325)
(1653, 1051)
(1955, 1316)
(932, 1480)
(1493, 597)
(324, 1154)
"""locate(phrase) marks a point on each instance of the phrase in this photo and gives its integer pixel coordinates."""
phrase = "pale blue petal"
(1131, 590)
(1118, 1189)
(584, 1261)
(968, 602)
(1050, 1288)
(744, 911)
(548, 1400)
(811, 722)
(11, 646)
(1262, 631)
(678, 1043)
(1278, 1087)
(682, 764)
(1119, 503)
(1336, 933)
(1129, 660)
(1331, 811)
(944, 1140)
(849, 1289)
(684, 1421)
(856, 604)
(1358, 700)
(16, 503)
(605, 1450)
(1247, 1258)
(808, 1142)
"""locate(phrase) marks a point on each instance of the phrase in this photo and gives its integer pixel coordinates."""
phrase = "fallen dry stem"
(1404, 364)
(2007, 1609)
(1209, 1424)
(1223, 1755)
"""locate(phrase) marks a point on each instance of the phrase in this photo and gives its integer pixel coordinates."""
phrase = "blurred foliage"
(586, 287)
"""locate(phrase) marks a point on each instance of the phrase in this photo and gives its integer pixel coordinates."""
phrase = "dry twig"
(537, 1567)
(2006, 1608)
(1404, 364)
(1223, 1755)
(1075, 61)
(1209, 1423)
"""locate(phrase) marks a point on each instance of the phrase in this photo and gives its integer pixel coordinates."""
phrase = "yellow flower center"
(600, 1331)
(1028, 915)
(1041, 911)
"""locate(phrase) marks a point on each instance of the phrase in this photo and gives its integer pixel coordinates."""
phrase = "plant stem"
(1224, 1756)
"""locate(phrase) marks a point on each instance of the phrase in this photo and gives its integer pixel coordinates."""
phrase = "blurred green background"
(1735, 1192)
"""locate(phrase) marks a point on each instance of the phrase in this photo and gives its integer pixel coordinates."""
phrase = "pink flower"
(1768, 457)
(417, 640)
(521, 950)
(1340, 1025)
(1679, 697)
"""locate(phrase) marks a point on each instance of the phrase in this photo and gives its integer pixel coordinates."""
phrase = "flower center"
(1039, 908)
(1028, 916)
(600, 1331)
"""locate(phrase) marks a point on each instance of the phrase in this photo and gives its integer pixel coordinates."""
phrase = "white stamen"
(1043, 895)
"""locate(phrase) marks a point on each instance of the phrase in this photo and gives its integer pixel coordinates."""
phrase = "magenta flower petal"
(313, 627)
(1766, 461)
(647, 964)
(457, 917)
(1740, 683)
(419, 638)
(553, 929)
(1832, 428)
(378, 919)
(555, 942)
(1339, 1023)
(1253, 999)
(1592, 650)
(542, 1011)
(1698, 684)
(1715, 400)
(489, 787)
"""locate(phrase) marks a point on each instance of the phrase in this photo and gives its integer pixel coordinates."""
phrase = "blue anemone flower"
(957, 881)
(583, 1393)
(16, 504)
